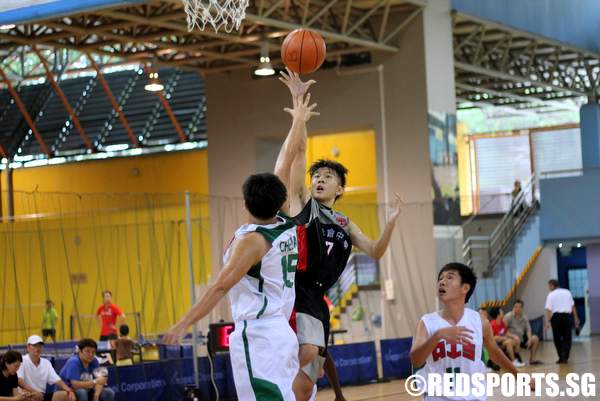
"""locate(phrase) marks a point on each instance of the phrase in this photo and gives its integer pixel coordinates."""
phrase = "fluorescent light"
(116, 148)
(154, 87)
(6, 27)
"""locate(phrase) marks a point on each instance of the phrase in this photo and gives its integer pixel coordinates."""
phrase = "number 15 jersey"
(268, 287)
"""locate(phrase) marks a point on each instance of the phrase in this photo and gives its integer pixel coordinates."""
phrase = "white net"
(221, 14)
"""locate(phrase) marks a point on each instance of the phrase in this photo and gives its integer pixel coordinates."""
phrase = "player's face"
(107, 298)
(324, 185)
(450, 287)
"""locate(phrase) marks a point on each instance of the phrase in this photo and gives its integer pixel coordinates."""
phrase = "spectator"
(9, 382)
(508, 344)
(36, 373)
(78, 373)
(483, 312)
(515, 199)
(560, 313)
(518, 327)
(124, 347)
(108, 315)
(49, 318)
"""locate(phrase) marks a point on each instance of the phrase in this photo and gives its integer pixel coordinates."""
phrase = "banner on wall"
(444, 168)
(355, 363)
(395, 358)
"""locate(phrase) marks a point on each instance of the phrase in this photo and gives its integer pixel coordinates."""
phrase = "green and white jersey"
(268, 288)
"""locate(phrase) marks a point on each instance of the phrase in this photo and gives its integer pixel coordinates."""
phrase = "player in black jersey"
(328, 242)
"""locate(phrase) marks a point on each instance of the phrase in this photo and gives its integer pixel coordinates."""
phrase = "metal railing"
(483, 253)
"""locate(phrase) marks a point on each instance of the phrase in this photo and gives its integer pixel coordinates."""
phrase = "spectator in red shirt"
(108, 315)
(507, 343)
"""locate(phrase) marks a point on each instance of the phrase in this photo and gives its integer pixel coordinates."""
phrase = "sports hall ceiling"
(494, 64)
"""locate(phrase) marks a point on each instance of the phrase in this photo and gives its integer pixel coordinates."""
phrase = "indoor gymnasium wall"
(115, 224)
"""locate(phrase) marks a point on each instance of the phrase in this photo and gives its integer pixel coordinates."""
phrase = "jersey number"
(288, 265)
(329, 246)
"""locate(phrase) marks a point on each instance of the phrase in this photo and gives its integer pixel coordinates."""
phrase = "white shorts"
(264, 359)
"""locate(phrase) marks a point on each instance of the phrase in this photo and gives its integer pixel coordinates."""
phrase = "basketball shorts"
(264, 359)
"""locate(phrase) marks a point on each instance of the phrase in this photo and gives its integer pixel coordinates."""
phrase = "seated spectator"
(518, 327)
(78, 373)
(9, 382)
(36, 373)
(125, 347)
(508, 344)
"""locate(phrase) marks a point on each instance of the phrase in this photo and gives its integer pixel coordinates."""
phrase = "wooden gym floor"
(585, 358)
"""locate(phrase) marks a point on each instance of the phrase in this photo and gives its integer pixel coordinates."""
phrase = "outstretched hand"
(303, 110)
(297, 88)
(174, 335)
(396, 208)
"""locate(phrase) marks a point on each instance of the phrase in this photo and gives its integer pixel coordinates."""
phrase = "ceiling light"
(6, 27)
(264, 68)
(153, 84)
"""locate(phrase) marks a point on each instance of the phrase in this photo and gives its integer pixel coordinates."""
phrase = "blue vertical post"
(590, 135)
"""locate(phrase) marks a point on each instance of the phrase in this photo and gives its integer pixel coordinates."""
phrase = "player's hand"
(396, 208)
(303, 110)
(72, 396)
(577, 322)
(174, 335)
(546, 326)
(297, 88)
(528, 343)
(456, 334)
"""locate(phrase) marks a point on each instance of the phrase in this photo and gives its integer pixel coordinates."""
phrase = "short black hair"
(554, 283)
(494, 312)
(483, 308)
(336, 167)
(519, 301)
(10, 357)
(264, 195)
(124, 330)
(467, 276)
(87, 343)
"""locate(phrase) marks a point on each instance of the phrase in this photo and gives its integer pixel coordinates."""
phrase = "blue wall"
(570, 21)
(570, 207)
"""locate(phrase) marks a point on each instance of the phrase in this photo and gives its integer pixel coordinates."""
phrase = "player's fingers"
(314, 113)
(309, 83)
(284, 75)
(307, 99)
(287, 110)
(312, 106)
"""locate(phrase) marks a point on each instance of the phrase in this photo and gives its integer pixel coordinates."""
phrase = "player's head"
(456, 282)
(483, 311)
(49, 303)
(264, 195)
(553, 284)
(107, 296)
(124, 330)
(518, 307)
(327, 180)
(87, 349)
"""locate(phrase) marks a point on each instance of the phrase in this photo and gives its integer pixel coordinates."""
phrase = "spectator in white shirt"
(36, 373)
(560, 313)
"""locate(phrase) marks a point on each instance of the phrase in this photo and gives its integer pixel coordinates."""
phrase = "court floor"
(585, 358)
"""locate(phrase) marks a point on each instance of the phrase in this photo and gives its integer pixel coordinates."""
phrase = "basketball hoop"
(221, 14)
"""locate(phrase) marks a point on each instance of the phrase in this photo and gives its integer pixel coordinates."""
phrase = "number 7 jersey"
(268, 287)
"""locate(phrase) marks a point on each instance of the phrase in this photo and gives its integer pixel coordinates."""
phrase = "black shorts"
(310, 301)
(48, 333)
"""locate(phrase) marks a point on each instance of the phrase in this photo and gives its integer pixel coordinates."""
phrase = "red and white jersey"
(455, 358)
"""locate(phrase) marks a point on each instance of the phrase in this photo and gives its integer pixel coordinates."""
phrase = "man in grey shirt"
(518, 327)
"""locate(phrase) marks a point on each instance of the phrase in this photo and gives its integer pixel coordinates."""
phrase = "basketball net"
(221, 14)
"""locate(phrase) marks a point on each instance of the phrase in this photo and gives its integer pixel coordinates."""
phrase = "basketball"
(303, 51)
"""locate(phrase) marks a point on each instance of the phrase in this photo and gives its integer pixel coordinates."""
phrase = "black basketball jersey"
(328, 245)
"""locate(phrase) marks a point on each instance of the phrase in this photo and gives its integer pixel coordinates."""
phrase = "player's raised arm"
(377, 248)
(246, 252)
(295, 141)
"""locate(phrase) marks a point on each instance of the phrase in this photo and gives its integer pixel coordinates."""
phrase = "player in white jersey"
(258, 273)
(452, 339)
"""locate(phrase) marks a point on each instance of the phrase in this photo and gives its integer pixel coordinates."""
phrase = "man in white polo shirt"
(36, 373)
(560, 313)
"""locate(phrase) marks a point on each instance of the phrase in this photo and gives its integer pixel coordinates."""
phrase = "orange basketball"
(303, 51)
